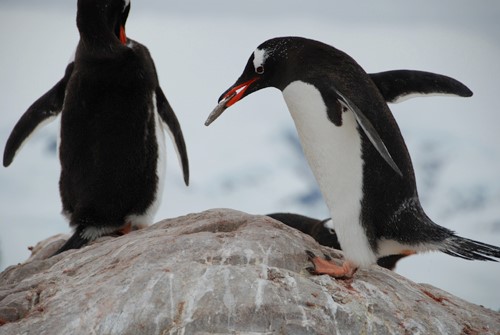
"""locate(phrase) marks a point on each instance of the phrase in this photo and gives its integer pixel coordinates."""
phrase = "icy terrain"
(249, 159)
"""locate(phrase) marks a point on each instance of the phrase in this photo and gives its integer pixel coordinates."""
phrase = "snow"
(249, 159)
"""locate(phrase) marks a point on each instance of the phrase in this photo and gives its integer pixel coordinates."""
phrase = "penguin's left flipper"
(362, 120)
(46, 108)
(399, 85)
(174, 130)
(326, 267)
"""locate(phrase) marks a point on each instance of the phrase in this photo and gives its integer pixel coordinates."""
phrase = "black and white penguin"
(112, 144)
(355, 150)
(324, 233)
(395, 86)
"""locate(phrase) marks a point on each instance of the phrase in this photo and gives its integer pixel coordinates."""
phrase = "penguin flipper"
(46, 108)
(369, 130)
(174, 129)
(399, 85)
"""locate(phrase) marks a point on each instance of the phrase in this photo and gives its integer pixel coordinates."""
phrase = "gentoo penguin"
(112, 144)
(395, 86)
(324, 233)
(355, 150)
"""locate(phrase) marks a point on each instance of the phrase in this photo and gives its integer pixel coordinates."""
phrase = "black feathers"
(469, 249)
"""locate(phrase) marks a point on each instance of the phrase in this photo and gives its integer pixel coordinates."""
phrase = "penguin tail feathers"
(471, 250)
(76, 241)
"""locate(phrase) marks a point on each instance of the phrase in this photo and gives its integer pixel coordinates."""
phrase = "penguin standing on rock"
(324, 233)
(112, 145)
(355, 150)
(395, 86)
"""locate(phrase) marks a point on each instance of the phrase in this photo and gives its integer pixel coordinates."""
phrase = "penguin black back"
(112, 116)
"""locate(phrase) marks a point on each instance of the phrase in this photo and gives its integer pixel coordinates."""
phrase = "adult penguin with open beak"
(355, 150)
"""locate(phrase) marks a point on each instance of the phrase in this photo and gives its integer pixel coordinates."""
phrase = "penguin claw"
(311, 270)
(310, 255)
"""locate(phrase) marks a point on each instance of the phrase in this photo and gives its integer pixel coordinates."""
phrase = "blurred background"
(250, 159)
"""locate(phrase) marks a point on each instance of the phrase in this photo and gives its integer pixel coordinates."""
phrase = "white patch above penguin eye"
(259, 57)
(127, 3)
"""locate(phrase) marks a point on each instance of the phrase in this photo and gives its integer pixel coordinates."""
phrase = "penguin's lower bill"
(219, 109)
(229, 98)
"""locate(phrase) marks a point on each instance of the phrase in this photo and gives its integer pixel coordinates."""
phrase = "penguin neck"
(96, 34)
(335, 157)
(103, 41)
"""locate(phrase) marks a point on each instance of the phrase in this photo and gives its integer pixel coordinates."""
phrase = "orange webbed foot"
(327, 267)
(125, 229)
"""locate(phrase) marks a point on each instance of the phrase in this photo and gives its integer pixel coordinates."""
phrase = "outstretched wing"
(399, 85)
(46, 108)
(174, 129)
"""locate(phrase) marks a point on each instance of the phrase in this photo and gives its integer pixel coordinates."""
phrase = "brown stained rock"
(219, 272)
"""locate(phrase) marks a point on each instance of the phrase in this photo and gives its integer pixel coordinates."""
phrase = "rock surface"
(219, 272)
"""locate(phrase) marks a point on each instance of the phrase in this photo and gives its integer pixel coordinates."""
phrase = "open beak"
(229, 98)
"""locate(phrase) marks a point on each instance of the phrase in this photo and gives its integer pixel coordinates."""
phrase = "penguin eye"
(331, 231)
(259, 69)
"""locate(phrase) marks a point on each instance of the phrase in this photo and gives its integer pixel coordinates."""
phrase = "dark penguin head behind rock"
(100, 21)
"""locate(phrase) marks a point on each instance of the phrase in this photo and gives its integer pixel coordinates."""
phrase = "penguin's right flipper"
(174, 129)
(46, 108)
(399, 85)
(368, 129)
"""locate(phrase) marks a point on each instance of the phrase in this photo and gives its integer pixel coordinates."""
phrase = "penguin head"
(99, 20)
(270, 65)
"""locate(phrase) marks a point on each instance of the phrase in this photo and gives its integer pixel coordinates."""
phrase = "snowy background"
(250, 159)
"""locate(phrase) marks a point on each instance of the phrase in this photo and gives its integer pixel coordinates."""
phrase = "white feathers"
(127, 3)
(391, 247)
(37, 128)
(91, 233)
(334, 155)
(259, 57)
(405, 97)
(328, 224)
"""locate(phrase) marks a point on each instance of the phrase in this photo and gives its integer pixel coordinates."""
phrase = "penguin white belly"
(335, 157)
(146, 218)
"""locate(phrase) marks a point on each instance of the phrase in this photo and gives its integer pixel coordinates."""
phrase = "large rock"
(219, 272)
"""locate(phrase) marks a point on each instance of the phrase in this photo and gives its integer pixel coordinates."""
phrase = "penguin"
(356, 153)
(395, 86)
(324, 233)
(112, 143)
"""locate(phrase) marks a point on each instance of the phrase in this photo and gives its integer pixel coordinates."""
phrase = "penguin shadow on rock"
(355, 149)
(113, 116)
